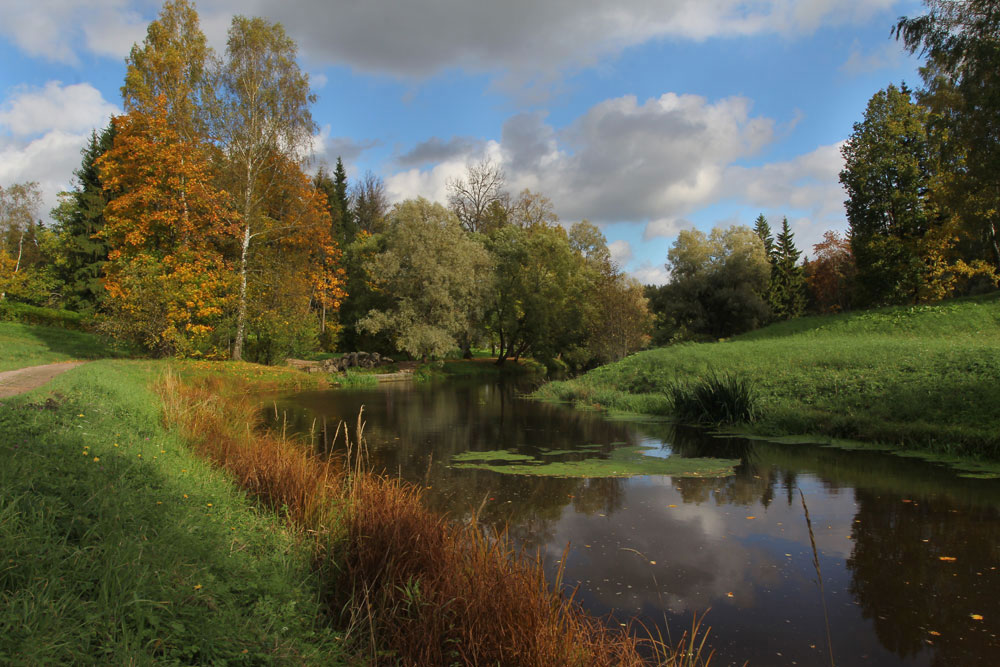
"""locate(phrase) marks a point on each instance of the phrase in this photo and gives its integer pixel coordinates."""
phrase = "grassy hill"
(921, 377)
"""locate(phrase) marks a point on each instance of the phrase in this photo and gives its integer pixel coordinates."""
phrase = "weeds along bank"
(922, 377)
(145, 518)
(120, 546)
(405, 585)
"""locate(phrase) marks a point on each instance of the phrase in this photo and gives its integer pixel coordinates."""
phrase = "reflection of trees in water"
(907, 591)
(415, 431)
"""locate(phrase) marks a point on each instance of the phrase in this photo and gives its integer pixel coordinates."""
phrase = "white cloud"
(621, 161)
(621, 251)
(648, 273)
(423, 37)
(46, 129)
(889, 54)
(74, 108)
(49, 161)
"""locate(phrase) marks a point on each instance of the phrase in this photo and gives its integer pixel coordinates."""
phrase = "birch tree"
(262, 119)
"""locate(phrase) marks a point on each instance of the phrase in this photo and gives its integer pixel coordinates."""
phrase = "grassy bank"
(921, 377)
(210, 541)
(407, 586)
(120, 546)
(28, 345)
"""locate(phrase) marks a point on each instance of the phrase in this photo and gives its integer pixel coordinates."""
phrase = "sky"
(644, 117)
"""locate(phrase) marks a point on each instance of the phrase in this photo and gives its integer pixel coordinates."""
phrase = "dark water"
(662, 548)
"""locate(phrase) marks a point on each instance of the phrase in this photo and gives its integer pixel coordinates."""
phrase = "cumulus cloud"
(326, 149)
(623, 160)
(862, 62)
(438, 150)
(648, 273)
(621, 251)
(74, 108)
(46, 128)
(423, 37)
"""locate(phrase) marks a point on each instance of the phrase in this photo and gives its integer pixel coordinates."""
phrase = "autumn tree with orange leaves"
(169, 282)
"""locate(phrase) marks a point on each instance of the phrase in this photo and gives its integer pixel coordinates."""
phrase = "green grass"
(28, 345)
(920, 377)
(120, 547)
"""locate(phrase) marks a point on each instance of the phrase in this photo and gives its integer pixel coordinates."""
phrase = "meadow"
(918, 378)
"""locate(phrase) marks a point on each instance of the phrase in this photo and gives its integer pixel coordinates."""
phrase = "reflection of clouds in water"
(703, 551)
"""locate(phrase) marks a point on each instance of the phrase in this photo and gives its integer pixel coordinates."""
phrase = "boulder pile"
(354, 360)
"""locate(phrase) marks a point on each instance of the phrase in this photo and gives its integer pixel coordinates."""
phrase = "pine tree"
(788, 286)
(763, 230)
(340, 208)
(80, 216)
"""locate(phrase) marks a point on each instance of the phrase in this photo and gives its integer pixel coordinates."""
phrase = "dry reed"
(408, 586)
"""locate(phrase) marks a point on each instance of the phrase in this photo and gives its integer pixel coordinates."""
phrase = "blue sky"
(643, 116)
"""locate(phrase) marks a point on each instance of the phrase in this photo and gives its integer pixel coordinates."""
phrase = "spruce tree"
(788, 286)
(763, 230)
(80, 216)
(340, 207)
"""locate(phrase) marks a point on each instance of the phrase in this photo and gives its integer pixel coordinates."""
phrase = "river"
(908, 551)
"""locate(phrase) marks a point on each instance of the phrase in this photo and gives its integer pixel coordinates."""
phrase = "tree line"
(193, 229)
(922, 176)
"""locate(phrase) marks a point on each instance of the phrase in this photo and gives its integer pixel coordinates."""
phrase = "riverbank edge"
(964, 466)
(122, 546)
(916, 381)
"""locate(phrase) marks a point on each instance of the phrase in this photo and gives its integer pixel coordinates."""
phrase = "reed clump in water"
(408, 586)
(717, 399)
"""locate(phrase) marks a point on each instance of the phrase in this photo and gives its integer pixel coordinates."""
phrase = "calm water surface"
(662, 548)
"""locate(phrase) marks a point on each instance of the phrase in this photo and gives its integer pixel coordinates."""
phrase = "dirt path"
(26, 379)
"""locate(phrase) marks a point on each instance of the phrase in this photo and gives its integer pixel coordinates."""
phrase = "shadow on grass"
(120, 547)
(75, 344)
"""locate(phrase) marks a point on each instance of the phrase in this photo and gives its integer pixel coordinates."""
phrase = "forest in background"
(196, 228)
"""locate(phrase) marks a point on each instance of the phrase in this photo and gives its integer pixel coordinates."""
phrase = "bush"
(718, 399)
(50, 317)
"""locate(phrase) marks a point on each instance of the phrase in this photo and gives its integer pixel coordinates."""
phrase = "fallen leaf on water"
(947, 559)
(934, 632)
(729, 595)
(976, 617)
(751, 518)
(671, 505)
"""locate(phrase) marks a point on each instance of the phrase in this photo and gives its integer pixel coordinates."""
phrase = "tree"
(297, 275)
(888, 165)
(344, 226)
(168, 281)
(960, 40)
(831, 274)
(471, 197)
(80, 217)
(787, 291)
(18, 208)
(262, 118)
(763, 230)
(170, 70)
(536, 303)
(717, 285)
(620, 322)
(432, 274)
(369, 203)
(531, 209)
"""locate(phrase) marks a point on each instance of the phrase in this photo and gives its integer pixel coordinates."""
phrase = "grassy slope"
(25, 345)
(914, 377)
(121, 547)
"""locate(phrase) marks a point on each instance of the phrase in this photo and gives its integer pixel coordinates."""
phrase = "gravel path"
(26, 379)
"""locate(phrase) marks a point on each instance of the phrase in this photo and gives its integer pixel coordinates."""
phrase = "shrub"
(717, 399)
(50, 317)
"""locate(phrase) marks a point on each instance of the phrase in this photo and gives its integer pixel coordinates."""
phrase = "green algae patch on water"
(496, 455)
(623, 462)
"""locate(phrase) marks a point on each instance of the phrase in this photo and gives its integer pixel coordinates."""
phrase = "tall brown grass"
(407, 585)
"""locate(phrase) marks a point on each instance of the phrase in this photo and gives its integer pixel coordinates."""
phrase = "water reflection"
(662, 548)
